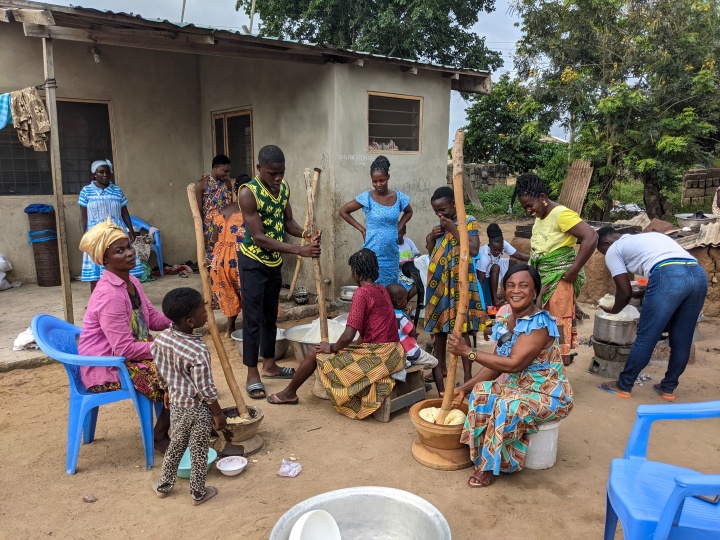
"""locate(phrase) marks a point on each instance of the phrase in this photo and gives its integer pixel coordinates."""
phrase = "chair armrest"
(95, 361)
(647, 414)
(686, 485)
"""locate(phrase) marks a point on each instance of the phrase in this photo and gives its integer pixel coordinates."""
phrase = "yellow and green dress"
(271, 210)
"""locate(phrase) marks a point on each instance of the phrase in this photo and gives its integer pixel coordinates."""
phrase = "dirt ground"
(566, 501)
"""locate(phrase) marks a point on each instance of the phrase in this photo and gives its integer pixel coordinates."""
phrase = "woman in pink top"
(117, 322)
(356, 377)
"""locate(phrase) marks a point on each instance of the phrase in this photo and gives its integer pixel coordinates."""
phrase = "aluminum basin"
(281, 343)
(372, 513)
(295, 336)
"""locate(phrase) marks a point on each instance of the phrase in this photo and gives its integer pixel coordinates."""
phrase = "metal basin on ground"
(694, 221)
(281, 344)
(615, 332)
(372, 513)
(296, 335)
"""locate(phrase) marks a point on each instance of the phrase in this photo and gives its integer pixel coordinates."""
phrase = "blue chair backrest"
(57, 338)
(139, 223)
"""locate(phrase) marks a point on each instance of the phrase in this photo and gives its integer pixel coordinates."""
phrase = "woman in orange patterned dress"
(229, 231)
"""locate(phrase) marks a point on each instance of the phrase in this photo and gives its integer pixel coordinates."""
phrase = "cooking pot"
(347, 292)
(615, 332)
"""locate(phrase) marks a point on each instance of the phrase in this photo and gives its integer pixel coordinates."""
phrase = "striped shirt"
(182, 362)
(101, 203)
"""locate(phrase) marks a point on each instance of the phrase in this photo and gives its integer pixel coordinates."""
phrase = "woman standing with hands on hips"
(555, 233)
(386, 211)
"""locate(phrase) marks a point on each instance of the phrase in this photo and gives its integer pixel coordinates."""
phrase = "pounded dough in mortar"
(453, 418)
(238, 420)
(430, 414)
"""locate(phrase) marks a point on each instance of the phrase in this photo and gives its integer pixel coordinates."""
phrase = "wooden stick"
(319, 286)
(464, 302)
(207, 293)
(298, 260)
(50, 99)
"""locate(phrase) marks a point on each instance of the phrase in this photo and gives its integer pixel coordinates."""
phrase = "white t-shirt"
(408, 250)
(639, 253)
(484, 259)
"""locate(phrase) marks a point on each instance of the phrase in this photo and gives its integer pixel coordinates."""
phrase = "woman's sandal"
(664, 395)
(253, 390)
(481, 479)
(612, 388)
(273, 399)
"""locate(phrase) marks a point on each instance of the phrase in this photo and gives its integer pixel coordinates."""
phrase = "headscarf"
(99, 163)
(96, 241)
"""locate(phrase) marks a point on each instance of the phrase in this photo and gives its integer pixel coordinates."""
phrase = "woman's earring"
(544, 203)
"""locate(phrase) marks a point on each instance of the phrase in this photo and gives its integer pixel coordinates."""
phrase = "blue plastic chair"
(139, 224)
(655, 500)
(58, 339)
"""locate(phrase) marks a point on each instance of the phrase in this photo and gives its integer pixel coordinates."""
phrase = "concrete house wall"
(161, 108)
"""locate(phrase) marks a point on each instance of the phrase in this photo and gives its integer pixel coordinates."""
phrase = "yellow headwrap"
(98, 239)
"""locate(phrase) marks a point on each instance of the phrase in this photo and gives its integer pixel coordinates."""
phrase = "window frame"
(230, 114)
(420, 99)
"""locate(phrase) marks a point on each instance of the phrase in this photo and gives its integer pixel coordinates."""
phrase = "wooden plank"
(162, 44)
(476, 84)
(408, 69)
(6, 15)
(574, 189)
(51, 99)
(34, 16)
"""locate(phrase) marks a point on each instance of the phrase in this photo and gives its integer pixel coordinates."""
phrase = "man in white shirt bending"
(675, 294)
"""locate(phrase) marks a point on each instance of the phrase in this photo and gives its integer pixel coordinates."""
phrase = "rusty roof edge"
(247, 39)
(707, 236)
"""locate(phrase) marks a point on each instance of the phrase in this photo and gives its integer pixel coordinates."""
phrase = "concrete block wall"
(483, 176)
(699, 186)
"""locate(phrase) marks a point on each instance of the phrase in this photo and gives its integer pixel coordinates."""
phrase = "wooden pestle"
(464, 302)
(207, 293)
(312, 228)
(316, 178)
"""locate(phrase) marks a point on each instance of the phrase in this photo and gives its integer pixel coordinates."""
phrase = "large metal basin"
(615, 332)
(372, 513)
(295, 336)
(281, 344)
(693, 222)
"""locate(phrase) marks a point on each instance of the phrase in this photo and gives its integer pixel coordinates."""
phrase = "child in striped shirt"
(408, 334)
(182, 361)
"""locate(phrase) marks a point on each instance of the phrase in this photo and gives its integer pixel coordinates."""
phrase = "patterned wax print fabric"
(357, 378)
(381, 233)
(216, 196)
(30, 118)
(502, 415)
(224, 270)
(442, 293)
(100, 204)
(560, 298)
(271, 210)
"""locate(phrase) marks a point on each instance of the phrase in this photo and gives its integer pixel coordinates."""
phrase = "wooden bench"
(405, 394)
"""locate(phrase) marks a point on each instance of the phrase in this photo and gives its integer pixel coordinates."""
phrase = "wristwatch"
(472, 355)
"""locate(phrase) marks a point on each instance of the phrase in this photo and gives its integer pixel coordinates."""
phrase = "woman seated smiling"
(501, 415)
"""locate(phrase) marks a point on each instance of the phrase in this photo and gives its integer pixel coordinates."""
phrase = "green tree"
(438, 31)
(635, 82)
(497, 127)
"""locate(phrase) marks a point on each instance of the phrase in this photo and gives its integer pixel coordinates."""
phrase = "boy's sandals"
(666, 396)
(210, 492)
(156, 491)
(612, 388)
(256, 390)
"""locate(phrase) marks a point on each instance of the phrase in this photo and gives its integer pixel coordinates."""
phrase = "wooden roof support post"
(51, 102)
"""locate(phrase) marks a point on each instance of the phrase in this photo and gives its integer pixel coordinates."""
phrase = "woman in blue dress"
(98, 200)
(386, 212)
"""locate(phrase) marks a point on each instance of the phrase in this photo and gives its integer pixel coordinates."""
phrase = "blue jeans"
(673, 300)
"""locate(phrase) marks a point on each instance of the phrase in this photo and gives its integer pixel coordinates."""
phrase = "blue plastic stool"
(57, 339)
(157, 244)
(655, 500)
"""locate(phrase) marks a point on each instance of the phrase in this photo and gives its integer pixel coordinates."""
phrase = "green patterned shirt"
(272, 215)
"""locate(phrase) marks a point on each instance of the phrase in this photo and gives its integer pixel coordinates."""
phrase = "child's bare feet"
(210, 492)
(161, 494)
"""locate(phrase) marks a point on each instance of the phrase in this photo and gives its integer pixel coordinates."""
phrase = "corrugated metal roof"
(707, 236)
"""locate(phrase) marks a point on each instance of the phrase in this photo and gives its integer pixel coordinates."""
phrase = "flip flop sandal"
(156, 491)
(210, 492)
(256, 387)
(275, 400)
(664, 395)
(285, 373)
(183, 274)
(605, 387)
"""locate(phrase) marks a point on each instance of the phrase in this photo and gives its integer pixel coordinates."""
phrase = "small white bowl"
(315, 525)
(231, 465)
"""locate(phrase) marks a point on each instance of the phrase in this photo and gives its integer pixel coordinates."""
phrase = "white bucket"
(542, 446)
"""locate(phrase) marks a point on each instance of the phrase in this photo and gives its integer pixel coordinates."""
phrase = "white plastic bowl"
(315, 525)
(231, 465)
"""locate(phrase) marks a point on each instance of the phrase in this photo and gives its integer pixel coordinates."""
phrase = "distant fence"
(699, 186)
(483, 176)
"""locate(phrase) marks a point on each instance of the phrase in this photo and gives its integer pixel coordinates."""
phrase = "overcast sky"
(497, 27)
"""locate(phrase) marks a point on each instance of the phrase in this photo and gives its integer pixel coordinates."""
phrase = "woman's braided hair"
(528, 185)
(364, 264)
(381, 164)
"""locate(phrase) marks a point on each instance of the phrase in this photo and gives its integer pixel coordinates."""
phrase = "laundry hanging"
(5, 116)
(30, 118)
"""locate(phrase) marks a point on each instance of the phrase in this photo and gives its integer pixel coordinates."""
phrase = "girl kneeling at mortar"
(356, 377)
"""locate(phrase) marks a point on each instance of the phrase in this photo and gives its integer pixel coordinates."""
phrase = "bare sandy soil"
(567, 501)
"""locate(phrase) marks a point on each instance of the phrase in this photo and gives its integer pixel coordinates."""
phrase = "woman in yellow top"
(556, 231)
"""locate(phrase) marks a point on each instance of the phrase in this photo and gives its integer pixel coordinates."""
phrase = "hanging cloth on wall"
(30, 118)
(5, 116)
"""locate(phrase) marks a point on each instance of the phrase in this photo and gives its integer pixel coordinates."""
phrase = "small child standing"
(409, 274)
(182, 361)
(408, 337)
(228, 235)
